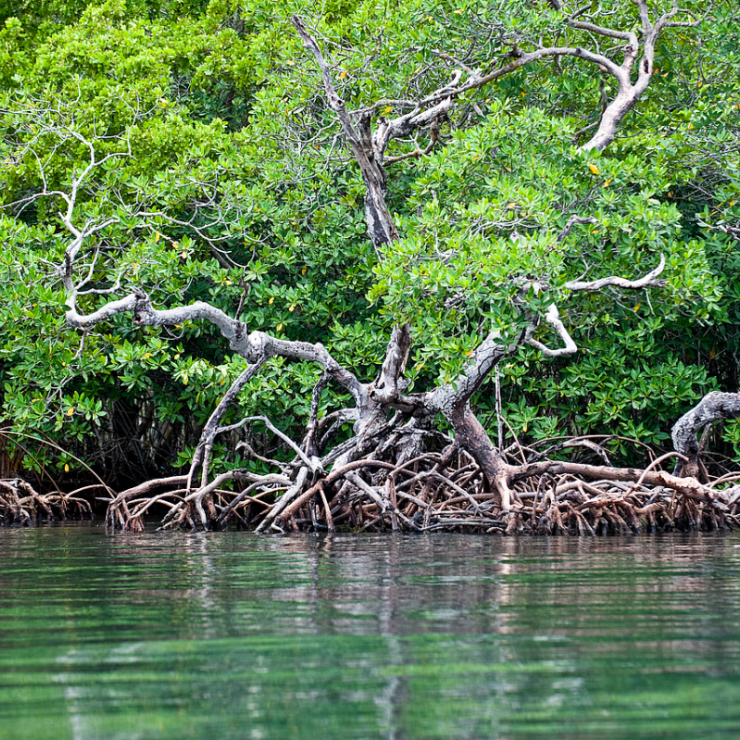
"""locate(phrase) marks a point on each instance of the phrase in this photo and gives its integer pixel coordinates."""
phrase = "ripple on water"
(231, 635)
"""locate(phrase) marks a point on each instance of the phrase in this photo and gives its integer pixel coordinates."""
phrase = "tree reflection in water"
(232, 635)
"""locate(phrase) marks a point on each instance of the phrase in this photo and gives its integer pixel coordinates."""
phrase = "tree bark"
(713, 407)
(472, 436)
(381, 227)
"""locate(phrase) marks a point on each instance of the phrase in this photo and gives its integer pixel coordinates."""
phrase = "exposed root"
(21, 505)
(439, 491)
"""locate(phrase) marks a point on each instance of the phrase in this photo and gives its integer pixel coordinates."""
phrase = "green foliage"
(233, 151)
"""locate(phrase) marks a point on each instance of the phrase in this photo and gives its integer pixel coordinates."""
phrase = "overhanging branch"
(252, 346)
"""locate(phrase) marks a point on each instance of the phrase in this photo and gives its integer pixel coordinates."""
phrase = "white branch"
(251, 346)
(314, 463)
(602, 31)
(643, 282)
(335, 101)
(713, 407)
(552, 317)
(79, 321)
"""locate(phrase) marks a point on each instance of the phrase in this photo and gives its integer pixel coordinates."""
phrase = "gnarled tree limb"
(713, 407)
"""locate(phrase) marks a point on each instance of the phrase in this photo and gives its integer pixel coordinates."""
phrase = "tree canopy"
(185, 152)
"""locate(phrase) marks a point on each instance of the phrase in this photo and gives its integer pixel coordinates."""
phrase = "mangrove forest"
(361, 265)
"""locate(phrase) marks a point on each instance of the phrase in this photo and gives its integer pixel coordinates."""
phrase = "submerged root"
(21, 505)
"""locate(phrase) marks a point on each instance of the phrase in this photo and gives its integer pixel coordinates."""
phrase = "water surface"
(231, 635)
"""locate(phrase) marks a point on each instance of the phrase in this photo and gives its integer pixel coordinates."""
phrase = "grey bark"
(632, 77)
(381, 227)
(713, 407)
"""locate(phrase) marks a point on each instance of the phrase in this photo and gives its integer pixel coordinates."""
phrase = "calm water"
(232, 635)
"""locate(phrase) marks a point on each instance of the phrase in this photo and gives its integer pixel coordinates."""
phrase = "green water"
(232, 635)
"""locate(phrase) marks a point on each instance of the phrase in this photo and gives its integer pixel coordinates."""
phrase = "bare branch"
(250, 346)
(713, 407)
(386, 388)
(643, 282)
(488, 354)
(413, 155)
(610, 32)
(552, 317)
(572, 221)
(335, 101)
(380, 224)
(313, 463)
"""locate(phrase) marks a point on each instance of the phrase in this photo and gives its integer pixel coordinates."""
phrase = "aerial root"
(429, 493)
(21, 505)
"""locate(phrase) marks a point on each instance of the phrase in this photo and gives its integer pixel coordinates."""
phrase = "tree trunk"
(613, 116)
(470, 434)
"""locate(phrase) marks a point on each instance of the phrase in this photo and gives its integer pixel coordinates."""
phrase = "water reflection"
(231, 635)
